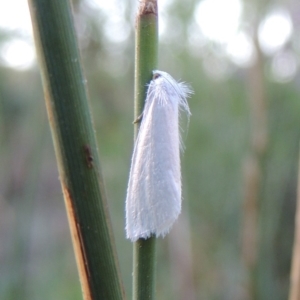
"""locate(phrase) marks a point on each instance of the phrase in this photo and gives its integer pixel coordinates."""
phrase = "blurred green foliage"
(36, 255)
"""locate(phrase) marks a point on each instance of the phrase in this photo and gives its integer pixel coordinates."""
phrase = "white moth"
(153, 200)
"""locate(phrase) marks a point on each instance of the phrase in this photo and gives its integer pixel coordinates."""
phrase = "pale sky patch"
(275, 31)
(10, 54)
(218, 19)
(215, 20)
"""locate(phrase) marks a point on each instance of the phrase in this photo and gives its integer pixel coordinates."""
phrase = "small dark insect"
(88, 156)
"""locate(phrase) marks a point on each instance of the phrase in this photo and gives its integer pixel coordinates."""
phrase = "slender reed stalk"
(253, 171)
(75, 148)
(145, 63)
(294, 293)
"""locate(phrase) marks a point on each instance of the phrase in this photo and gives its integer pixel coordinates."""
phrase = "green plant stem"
(146, 49)
(144, 268)
(75, 148)
(145, 63)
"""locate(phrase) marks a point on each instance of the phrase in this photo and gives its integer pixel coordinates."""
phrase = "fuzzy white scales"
(153, 200)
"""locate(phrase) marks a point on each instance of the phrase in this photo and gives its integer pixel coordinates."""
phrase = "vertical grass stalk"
(253, 169)
(294, 292)
(75, 148)
(145, 62)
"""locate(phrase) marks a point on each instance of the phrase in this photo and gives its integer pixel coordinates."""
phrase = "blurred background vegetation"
(234, 237)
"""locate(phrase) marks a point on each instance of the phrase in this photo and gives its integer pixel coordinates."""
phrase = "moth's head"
(156, 75)
(161, 74)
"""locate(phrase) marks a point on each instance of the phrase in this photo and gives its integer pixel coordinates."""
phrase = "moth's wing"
(153, 200)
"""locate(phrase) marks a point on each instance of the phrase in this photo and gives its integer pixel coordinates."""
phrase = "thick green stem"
(144, 269)
(75, 148)
(145, 63)
(146, 49)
